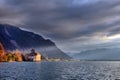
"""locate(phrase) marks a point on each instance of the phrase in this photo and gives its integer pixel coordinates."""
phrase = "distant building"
(37, 57)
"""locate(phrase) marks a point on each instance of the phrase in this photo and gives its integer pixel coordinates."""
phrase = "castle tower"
(1, 50)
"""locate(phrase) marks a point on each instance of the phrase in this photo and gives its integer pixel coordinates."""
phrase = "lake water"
(74, 70)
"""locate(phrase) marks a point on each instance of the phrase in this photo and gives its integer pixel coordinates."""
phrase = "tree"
(10, 56)
(18, 56)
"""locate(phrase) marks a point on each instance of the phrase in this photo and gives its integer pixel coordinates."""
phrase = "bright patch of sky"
(83, 2)
(72, 24)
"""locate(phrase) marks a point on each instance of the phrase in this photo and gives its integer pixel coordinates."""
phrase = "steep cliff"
(14, 38)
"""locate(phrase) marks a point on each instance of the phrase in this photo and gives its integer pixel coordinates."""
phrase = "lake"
(72, 70)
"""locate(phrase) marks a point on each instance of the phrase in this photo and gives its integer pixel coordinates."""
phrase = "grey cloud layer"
(63, 20)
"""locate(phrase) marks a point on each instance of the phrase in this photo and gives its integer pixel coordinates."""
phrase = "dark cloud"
(64, 20)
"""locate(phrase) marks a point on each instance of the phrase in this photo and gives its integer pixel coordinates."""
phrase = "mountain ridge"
(15, 38)
(99, 54)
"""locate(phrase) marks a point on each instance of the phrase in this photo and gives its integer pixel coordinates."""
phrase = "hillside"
(14, 38)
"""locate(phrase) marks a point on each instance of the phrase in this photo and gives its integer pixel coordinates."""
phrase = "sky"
(73, 25)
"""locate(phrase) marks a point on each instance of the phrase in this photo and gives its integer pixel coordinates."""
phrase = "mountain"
(99, 54)
(15, 38)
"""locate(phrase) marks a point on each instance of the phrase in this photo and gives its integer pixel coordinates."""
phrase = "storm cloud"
(71, 23)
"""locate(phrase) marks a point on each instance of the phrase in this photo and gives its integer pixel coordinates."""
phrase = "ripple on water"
(60, 71)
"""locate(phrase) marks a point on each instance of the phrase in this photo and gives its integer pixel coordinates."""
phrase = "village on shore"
(17, 56)
(11, 56)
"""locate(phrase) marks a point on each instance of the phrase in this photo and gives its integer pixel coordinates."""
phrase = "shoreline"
(62, 61)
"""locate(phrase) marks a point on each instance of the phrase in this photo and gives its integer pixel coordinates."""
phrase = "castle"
(33, 56)
(17, 56)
